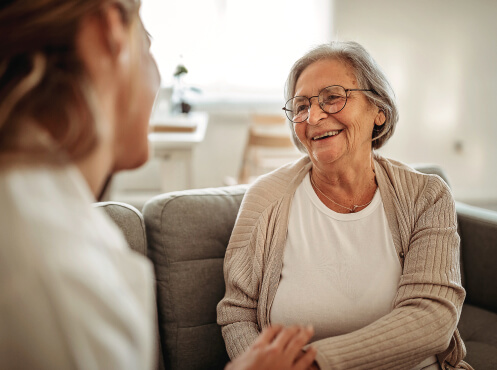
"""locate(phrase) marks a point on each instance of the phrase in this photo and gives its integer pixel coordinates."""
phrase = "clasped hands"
(278, 348)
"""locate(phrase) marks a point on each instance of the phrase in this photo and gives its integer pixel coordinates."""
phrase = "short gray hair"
(368, 75)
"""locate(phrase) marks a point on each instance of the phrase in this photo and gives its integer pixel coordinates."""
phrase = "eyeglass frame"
(317, 96)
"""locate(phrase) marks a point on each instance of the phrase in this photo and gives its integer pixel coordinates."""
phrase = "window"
(234, 46)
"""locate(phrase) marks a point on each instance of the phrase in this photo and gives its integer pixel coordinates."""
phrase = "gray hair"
(368, 75)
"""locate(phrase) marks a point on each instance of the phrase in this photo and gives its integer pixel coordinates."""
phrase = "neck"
(347, 187)
(98, 165)
(348, 176)
(96, 169)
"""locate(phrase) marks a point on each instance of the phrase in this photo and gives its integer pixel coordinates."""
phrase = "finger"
(296, 343)
(268, 334)
(299, 355)
(306, 360)
(285, 336)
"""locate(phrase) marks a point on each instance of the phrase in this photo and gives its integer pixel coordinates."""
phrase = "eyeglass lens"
(331, 99)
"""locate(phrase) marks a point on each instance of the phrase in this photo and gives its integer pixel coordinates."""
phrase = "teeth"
(329, 133)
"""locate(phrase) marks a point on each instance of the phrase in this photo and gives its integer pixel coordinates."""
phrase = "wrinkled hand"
(277, 348)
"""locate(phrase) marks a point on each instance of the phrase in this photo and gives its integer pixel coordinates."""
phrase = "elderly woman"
(361, 247)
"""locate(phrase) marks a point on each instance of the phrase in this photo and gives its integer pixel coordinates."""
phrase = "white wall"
(441, 58)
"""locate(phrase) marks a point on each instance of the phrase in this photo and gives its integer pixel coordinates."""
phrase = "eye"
(302, 108)
(331, 98)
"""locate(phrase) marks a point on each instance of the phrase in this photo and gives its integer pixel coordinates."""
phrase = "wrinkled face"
(136, 104)
(344, 136)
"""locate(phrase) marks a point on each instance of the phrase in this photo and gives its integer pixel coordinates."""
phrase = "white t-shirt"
(340, 271)
(73, 295)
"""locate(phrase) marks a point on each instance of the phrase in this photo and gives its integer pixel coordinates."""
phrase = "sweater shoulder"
(277, 184)
(410, 183)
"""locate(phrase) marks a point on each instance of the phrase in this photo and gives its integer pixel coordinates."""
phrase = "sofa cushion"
(188, 233)
(130, 221)
(478, 328)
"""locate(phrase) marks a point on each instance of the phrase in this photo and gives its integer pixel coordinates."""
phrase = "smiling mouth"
(326, 135)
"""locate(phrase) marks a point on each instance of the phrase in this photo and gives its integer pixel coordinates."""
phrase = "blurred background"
(439, 55)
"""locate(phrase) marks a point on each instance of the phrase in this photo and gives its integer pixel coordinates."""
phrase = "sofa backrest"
(478, 231)
(188, 233)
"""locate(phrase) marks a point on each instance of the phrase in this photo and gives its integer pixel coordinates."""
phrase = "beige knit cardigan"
(421, 215)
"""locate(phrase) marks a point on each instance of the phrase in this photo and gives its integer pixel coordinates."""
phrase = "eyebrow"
(321, 89)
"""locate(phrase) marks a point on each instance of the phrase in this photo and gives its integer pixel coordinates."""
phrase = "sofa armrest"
(130, 221)
(478, 231)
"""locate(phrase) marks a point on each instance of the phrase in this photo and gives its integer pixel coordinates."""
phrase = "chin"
(131, 163)
(140, 162)
(326, 157)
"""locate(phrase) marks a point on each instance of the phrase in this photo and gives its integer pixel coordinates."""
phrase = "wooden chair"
(269, 146)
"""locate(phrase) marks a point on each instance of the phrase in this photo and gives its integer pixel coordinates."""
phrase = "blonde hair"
(44, 87)
(369, 76)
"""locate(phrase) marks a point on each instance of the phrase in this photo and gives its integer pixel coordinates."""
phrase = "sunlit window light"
(232, 46)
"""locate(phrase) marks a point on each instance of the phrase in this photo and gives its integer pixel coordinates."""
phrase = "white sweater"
(73, 295)
(330, 277)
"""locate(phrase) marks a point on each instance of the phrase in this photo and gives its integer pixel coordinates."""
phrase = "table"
(175, 149)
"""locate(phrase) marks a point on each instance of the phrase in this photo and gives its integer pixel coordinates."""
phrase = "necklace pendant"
(352, 210)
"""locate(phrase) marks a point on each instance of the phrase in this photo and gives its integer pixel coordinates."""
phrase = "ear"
(116, 35)
(101, 40)
(380, 118)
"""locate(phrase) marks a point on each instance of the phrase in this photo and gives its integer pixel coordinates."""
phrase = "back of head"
(368, 74)
(47, 107)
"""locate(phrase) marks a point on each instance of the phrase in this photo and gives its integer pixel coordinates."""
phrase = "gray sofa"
(186, 237)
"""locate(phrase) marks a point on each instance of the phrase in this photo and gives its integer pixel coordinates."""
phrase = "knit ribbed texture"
(422, 218)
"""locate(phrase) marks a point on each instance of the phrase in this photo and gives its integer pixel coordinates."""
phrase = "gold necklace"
(351, 210)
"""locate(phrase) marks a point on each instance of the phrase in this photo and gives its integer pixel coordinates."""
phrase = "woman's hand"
(277, 348)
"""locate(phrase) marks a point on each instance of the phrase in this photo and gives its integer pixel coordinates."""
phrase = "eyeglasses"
(331, 99)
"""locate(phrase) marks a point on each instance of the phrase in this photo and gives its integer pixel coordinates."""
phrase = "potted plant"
(179, 103)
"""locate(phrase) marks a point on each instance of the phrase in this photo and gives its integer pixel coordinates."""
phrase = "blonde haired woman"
(77, 84)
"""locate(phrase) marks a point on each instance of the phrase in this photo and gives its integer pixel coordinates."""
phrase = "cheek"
(359, 125)
(147, 83)
(150, 85)
(132, 131)
(299, 129)
(152, 75)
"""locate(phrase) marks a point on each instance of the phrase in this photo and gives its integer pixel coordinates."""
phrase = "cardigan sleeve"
(428, 301)
(237, 311)
(243, 272)
(252, 263)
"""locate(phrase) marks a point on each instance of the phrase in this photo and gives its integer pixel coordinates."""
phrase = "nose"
(315, 113)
